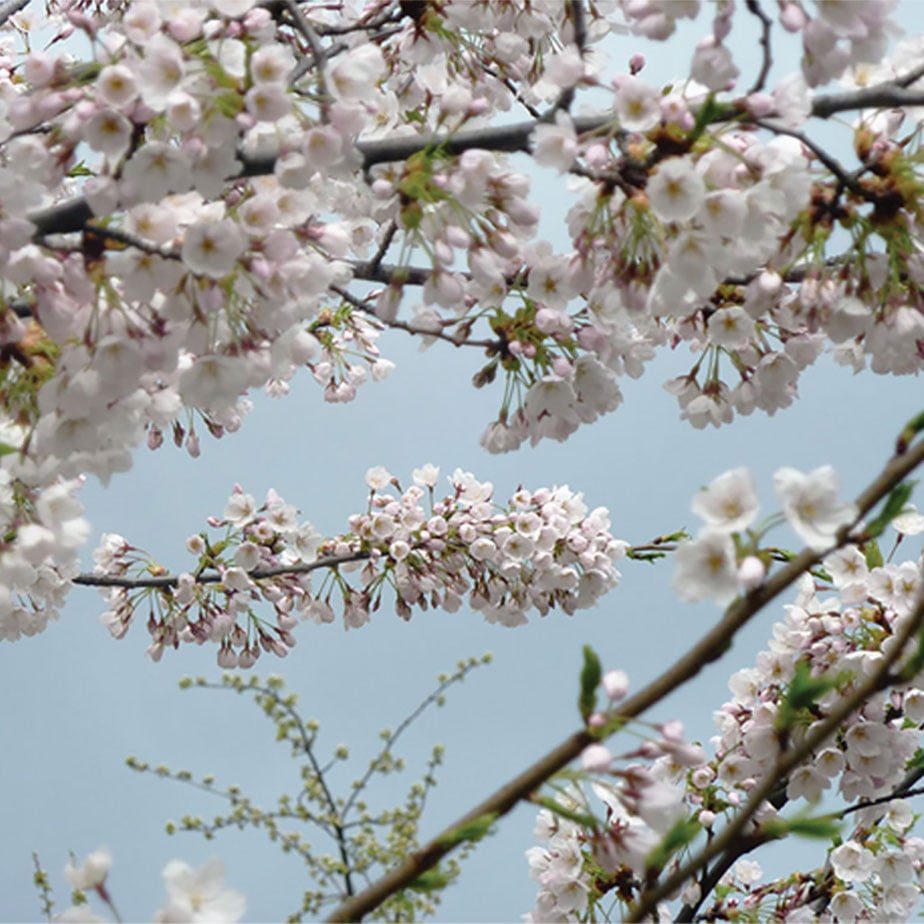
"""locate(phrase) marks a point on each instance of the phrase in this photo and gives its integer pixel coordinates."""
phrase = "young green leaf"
(676, 839)
(431, 880)
(591, 673)
(893, 507)
(471, 831)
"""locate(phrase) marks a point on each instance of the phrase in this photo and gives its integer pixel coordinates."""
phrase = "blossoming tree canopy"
(200, 200)
(221, 194)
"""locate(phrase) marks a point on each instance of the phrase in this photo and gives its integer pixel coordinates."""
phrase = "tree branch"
(72, 215)
(889, 95)
(89, 579)
(787, 761)
(11, 8)
(708, 649)
(494, 345)
(766, 24)
(318, 53)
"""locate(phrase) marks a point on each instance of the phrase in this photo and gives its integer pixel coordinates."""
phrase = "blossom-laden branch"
(708, 649)
(879, 677)
(542, 551)
(131, 276)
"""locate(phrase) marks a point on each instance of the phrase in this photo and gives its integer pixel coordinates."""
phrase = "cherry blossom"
(225, 196)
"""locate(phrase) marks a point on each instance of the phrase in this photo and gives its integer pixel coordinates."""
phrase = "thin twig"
(787, 761)
(360, 305)
(318, 53)
(390, 231)
(836, 168)
(89, 579)
(708, 649)
(765, 26)
(336, 823)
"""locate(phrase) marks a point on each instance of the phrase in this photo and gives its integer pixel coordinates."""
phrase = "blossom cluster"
(543, 550)
(837, 628)
(723, 559)
(584, 857)
(844, 619)
(44, 528)
(194, 896)
(200, 210)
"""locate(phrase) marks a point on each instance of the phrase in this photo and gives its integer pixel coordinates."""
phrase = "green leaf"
(916, 762)
(803, 691)
(431, 880)
(676, 839)
(911, 430)
(591, 673)
(872, 553)
(6, 449)
(587, 822)
(472, 831)
(893, 507)
(824, 827)
(708, 113)
(229, 103)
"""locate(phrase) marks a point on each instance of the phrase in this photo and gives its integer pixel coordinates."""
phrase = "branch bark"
(88, 579)
(71, 215)
(708, 649)
(787, 761)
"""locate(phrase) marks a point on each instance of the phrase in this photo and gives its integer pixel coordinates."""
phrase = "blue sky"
(80, 702)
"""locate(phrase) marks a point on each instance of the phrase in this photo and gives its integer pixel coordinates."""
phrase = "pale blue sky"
(79, 702)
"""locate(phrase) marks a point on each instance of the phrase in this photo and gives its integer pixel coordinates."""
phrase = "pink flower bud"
(793, 18)
(672, 731)
(596, 758)
(760, 105)
(751, 572)
(615, 685)
(636, 63)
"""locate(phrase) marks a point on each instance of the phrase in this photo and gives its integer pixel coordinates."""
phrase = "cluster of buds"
(543, 550)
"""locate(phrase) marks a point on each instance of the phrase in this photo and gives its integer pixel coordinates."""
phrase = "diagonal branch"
(71, 215)
(11, 8)
(787, 761)
(318, 53)
(708, 649)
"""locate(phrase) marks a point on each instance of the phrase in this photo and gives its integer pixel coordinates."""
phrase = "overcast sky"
(80, 702)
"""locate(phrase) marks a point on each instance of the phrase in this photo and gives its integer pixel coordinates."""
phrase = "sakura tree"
(200, 200)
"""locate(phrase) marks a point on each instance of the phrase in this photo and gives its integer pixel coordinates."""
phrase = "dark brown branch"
(318, 53)
(72, 215)
(566, 97)
(766, 24)
(821, 731)
(708, 649)
(359, 304)
(89, 579)
(890, 95)
(375, 263)
(843, 177)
